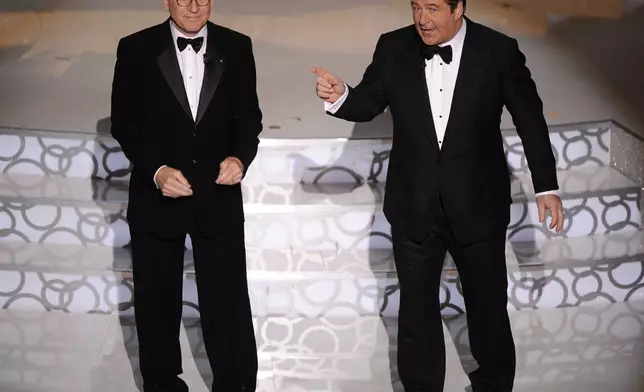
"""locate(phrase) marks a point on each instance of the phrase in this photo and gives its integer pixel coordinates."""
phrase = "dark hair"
(454, 3)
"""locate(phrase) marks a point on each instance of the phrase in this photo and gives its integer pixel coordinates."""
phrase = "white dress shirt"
(441, 81)
(192, 66)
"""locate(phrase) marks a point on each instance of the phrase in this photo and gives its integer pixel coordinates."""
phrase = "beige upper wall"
(56, 63)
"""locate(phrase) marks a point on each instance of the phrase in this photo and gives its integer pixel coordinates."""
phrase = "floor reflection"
(590, 348)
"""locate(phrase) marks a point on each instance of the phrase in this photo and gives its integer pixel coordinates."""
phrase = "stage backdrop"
(57, 58)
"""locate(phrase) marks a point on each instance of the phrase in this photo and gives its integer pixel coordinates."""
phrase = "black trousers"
(483, 274)
(224, 305)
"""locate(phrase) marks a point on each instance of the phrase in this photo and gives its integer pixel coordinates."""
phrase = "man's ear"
(458, 11)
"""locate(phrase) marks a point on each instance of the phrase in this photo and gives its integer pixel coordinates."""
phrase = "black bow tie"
(444, 51)
(196, 43)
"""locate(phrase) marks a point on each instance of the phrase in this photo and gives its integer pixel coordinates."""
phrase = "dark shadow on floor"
(103, 127)
(12, 54)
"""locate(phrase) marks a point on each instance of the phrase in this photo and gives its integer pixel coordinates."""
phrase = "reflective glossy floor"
(591, 349)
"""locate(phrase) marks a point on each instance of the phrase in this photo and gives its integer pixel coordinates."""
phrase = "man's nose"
(424, 19)
(193, 7)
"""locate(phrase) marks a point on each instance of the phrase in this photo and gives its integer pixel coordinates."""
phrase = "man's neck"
(459, 26)
(186, 33)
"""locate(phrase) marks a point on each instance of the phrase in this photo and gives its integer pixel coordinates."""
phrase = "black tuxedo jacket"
(469, 174)
(151, 120)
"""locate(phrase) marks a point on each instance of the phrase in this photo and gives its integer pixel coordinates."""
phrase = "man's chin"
(194, 29)
(191, 27)
(429, 38)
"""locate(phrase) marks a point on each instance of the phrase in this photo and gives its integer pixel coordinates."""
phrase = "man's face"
(188, 15)
(434, 20)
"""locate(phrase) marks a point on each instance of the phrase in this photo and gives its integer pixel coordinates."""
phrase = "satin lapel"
(470, 74)
(215, 63)
(169, 65)
(415, 84)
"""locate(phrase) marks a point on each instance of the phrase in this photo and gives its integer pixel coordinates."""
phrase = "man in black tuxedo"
(446, 80)
(186, 113)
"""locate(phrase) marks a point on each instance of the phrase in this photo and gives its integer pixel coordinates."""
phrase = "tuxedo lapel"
(470, 74)
(415, 83)
(169, 65)
(215, 63)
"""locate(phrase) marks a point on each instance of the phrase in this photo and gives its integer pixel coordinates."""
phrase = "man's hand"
(329, 87)
(172, 183)
(551, 203)
(231, 171)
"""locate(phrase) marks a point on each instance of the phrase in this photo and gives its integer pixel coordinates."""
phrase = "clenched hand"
(172, 183)
(231, 171)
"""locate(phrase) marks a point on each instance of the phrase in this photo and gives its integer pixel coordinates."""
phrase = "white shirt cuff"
(155, 176)
(335, 106)
(555, 192)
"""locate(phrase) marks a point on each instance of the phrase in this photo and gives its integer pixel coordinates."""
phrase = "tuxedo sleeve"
(524, 104)
(367, 100)
(248, 115)
(126, 113)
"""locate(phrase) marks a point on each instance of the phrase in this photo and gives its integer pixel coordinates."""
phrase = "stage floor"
(590, 348)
